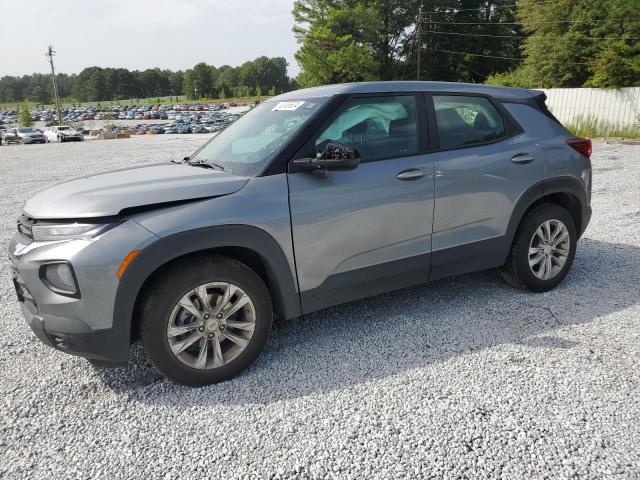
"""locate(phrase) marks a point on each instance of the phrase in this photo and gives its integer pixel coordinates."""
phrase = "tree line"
(262, 76)
(526, 43)
(529, 43)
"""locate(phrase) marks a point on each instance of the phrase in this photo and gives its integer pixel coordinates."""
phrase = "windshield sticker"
(287, 106)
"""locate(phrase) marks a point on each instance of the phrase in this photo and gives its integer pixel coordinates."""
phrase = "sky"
(140, 34)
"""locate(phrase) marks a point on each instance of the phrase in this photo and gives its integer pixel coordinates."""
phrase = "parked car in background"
(9, 136)
(28, 135)
(63, 133)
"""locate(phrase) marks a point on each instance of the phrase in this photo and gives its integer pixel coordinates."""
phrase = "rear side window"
(378, 127)
(466, 121)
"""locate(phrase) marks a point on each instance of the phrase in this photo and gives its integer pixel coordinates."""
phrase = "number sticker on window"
(287, 106)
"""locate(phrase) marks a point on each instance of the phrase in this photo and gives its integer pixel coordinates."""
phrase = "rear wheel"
(206, 320)
(543, 250)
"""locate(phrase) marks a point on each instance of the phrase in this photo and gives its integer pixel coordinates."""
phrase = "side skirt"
(468, 258)
(366, 282)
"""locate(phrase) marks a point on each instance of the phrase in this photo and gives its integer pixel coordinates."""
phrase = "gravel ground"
(463, 378)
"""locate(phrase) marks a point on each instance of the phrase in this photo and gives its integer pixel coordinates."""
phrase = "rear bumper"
(586, 218)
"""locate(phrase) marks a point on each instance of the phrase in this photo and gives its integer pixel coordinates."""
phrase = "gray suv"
(313, 198)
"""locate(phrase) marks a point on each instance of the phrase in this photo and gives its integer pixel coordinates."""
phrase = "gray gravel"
(464, 378)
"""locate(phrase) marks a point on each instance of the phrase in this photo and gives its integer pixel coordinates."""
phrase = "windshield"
(25, 130)
(248, 144)
(63, 128)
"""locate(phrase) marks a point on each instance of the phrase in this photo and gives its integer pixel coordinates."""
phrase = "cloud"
(140, 34)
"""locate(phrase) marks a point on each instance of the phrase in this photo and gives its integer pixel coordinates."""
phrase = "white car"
(63, 133)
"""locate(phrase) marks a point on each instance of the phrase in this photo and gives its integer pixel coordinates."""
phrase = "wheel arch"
(249, 245)
(566, 192)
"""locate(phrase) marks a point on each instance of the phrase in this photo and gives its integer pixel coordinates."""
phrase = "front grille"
(24, 226)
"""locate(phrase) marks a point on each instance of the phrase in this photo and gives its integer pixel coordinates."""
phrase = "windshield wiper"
(204, 164)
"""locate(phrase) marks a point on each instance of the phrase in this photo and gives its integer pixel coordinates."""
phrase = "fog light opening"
(60, 278)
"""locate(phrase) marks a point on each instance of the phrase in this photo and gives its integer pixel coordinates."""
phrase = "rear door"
(484, 162)
(361, 232)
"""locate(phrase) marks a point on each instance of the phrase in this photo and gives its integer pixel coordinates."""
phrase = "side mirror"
(336, 156)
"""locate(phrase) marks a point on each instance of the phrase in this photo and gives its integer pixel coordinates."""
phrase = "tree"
(617, 65)
(357, 40)
(199, 82)
(41, 94)
(593, 45)
(25, 119)
(96, 84)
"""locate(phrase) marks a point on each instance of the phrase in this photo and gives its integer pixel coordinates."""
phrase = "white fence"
(617, 109)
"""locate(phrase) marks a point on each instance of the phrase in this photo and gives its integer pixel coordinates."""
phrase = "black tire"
(516, 271)
(168, 289)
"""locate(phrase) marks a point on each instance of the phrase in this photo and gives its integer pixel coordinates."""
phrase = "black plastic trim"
(280, 277)
(366, 282)
(470, 257)
(565, 184)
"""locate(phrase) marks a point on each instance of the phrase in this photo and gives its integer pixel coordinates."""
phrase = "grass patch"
(591, 127)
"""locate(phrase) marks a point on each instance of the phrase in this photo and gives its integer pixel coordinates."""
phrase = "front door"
(365, 231)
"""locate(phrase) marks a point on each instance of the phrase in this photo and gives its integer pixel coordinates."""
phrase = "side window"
(466, 121)
(378, 127)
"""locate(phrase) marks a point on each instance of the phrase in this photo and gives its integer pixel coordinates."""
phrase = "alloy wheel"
(211, 325)
(549, 249)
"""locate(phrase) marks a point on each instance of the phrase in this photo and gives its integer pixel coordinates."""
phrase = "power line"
(495, 56)
(591, 20)
(493, 7)
(525, 36)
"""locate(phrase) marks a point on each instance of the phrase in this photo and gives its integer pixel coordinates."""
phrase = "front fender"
(280, 277)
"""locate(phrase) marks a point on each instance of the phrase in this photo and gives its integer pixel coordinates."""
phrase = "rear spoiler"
(540, 98)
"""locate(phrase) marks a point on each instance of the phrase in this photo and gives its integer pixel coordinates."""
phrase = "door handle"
(411, 174)
(523, 158)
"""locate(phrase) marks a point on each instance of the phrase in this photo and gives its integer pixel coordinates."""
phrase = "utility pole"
(50, 53)
(419, 41)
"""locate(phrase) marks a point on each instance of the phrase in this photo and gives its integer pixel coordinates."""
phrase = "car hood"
(107, 194)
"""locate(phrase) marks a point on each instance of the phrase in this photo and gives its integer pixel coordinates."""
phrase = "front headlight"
(67, 231)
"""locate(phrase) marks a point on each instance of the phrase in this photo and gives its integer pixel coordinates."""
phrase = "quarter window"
(378, 127)
(466, 121)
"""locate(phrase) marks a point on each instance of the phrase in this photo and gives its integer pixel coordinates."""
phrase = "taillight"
(580, 145)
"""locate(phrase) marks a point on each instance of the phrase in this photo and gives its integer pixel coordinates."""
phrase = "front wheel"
(543, 250)
(205, 320)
